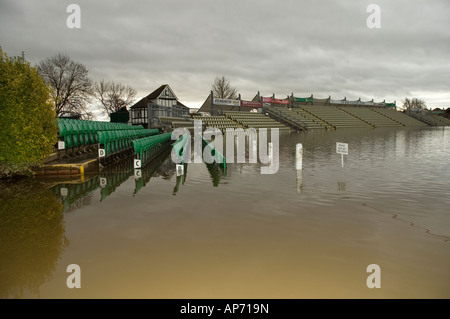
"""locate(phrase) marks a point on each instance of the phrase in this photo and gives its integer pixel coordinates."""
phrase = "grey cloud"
(281, 47)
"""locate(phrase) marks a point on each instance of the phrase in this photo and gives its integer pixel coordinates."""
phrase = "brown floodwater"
(236, 233)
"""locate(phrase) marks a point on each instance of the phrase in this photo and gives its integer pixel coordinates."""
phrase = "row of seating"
(297, 118)
(400, 117)
(255, 120)
(366, 114)
(220, 122)
(145, 149)
(114, 142)
(335, 117)
(176, 122)
(76, 133)
(431, 119)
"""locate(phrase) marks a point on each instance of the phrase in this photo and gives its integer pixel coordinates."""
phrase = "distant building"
(217, 106)
(121, 116)
(162, 102)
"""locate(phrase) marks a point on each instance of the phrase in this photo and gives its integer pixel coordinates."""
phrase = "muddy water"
(239, 234)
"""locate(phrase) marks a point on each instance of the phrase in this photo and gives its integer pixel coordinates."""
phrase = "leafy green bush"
(28, 127)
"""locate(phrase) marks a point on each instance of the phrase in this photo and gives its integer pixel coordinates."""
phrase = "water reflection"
(217, 172)
(113, 176)
(73, 194)
(159, 166)
(32, 237)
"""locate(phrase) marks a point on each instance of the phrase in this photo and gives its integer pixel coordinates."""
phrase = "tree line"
(72, 90)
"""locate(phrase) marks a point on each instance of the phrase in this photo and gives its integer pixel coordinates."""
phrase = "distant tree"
(222, 88)
(447, 113)
(413, 103)
(114, 97)
(71, 88)
(28, 130)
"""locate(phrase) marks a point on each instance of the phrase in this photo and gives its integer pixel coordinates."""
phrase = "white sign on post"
(103, 182)
(137, 163)
(180, 170)
(342, 148)
(101, 152)
(61, 145)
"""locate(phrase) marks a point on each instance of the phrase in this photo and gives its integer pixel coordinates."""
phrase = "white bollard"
(270, 151)
(253, 153)
(299, 156)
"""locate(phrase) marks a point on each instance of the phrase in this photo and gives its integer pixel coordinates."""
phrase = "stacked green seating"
(78, 133)
(146, 148)
(114, 142)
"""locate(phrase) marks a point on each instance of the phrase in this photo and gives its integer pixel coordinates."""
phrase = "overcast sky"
(282, 47)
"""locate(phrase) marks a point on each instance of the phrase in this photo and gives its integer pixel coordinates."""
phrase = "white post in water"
(342, 148)
(299, 156)
(270, 151)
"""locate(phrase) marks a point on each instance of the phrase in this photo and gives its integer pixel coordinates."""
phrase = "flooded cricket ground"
(233, 232)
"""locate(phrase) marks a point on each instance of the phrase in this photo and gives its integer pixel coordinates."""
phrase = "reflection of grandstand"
(150, 169)
(114, 176)
(75, 194)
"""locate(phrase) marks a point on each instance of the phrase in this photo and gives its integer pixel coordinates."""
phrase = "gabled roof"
(156, 93)
(143, 103)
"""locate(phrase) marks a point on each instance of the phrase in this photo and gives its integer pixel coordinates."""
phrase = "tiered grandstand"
(335, 117)
(255, 120)
(367, 115)
(176, 122)
(296, 118)
(431, 119)
(399, 117)
(307, 117)
(220, 122)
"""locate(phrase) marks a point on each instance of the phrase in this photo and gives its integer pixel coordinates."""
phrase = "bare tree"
(71, 88)
(223, 89)
(114, 96)
(414, 103)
